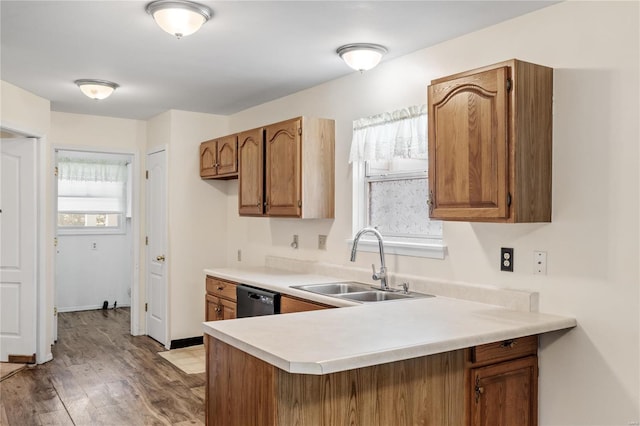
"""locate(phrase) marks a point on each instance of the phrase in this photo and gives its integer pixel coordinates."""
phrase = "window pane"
(87, 220)
(399, 207)
(396, 165)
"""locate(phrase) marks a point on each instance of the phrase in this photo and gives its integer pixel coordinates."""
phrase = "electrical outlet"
(322, 242)
(506, 259)
(540, 262)
(94, 246)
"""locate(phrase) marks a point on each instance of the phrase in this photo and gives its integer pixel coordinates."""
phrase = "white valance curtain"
(91, 186)
(397, 134)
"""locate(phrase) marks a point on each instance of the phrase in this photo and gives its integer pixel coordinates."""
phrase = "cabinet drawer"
(221, 288)
(505, 350)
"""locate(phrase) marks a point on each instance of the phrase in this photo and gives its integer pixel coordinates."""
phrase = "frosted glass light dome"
(362, 56)
(179, 17)
(96, 89)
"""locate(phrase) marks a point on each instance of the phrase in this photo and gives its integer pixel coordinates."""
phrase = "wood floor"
(101, 375)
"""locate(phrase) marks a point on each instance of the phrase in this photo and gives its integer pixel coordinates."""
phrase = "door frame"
(135, 329)
(167, 313)
(42, 274)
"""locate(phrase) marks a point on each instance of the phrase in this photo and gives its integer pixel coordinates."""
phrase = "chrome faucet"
(379, 275)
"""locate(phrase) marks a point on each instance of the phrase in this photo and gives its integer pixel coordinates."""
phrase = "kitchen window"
(389, 159)
(92, 195)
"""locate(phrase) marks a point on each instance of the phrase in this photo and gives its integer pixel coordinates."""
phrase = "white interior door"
(157, 246)
(18, 225)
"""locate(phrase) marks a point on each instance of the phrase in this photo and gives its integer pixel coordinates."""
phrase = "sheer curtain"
(91, 185)
(397, 134)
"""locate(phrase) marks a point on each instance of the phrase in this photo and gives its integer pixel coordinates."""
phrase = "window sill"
(403, 248)
(90, 231)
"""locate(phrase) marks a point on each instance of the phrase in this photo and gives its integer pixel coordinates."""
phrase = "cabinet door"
(228, 309)
(282, 190)
(469, 146)
(250, 171)
(208, 154)
(213, 309)
(227, 157)
(505, 394)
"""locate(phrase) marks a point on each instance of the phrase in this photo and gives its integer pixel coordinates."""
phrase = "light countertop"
(332, 340)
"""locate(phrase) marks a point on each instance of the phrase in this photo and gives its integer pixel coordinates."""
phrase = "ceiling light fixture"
(179, 17)
(96, 89)
(361, 56)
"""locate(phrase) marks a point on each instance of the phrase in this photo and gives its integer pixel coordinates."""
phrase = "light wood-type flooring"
(101, 375)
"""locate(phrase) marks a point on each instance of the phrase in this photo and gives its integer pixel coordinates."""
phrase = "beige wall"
(23, 111)
(590, 375)
(196, 215)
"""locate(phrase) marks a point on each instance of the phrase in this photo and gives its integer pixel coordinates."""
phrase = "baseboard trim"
(184, 343)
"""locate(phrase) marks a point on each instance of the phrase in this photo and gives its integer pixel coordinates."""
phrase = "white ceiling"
(249, 53)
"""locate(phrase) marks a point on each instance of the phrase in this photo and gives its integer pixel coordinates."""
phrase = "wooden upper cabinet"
(218, 158)
(298, 170)
(250, 172)
(282, 191)
(490, 134)
(208, 155)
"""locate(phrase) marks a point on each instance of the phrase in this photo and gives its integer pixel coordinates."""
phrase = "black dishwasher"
(255, 302)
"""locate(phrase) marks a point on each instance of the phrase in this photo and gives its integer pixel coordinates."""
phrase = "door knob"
(160, 258)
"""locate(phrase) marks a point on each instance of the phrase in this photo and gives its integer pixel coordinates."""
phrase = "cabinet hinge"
(299, 203)
(299, 130)
(509, 84)
(479, 390)
(508, 199)
(430, 202)
(146, 174)
(55, 241)
(55, 171)
(146, 307)
(146, 241)
(55, 311)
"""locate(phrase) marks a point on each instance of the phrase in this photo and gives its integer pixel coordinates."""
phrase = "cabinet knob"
(220, 288)
(218, 309)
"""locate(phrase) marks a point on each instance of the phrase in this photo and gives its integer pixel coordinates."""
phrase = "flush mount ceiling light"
(361, 56)
(179, 17)
(96, 89)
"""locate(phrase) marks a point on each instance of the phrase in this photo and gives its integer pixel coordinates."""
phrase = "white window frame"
(418, 247)
(96, 230)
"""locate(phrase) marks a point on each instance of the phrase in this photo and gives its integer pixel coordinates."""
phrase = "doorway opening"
(95, 231)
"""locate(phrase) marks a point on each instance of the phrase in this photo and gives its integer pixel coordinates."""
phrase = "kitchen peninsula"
(431, 361)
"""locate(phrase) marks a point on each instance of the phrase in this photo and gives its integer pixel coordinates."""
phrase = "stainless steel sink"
(375, 296)
(335, 288)
(358, 292)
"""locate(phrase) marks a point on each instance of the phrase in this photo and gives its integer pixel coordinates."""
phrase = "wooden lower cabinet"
(487, 385)
(245, 391)
(505, 394)
(220, 309)
(290, 304)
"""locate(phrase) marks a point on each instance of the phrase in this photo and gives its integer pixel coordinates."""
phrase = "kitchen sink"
(358, 292)
(335, 288)
(375, 296)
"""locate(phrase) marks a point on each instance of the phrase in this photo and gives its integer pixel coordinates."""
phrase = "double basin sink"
(359, 292)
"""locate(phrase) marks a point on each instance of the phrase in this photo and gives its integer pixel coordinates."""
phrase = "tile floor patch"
(191, 360)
